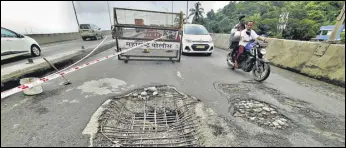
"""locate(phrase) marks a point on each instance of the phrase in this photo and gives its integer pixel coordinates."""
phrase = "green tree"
(197, 13)
(211, 15)
(304, 19)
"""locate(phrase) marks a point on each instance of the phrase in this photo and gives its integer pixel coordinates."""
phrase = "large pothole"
(260, 113)
(159, 117)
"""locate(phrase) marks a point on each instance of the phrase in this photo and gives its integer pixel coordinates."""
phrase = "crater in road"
(158, 116)
(277, 112)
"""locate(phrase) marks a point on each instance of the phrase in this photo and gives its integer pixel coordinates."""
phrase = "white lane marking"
(15, 105)
(68, 90)
(63, 101)
(67, 101)
(20, 103)
(15, 126)
(92, 126)
(74, 101)
(179, 75)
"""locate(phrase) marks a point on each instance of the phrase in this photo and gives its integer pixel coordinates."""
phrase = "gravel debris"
(260, 113)
(144, 93)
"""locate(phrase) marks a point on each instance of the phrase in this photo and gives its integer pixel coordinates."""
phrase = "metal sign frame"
(118, 29)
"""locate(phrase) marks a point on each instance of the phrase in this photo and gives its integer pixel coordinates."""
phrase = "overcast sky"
(58, 16)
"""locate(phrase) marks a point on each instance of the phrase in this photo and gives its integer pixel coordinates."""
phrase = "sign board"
(158, 45)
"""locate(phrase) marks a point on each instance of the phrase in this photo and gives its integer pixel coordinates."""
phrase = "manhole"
(159, 117)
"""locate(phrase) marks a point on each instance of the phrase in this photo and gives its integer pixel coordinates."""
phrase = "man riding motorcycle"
(246, 36)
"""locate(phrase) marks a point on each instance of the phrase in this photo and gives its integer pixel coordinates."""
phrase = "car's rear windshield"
(195, 30)
(84, 26)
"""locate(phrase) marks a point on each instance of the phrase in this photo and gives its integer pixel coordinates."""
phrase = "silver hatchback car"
(90, 31)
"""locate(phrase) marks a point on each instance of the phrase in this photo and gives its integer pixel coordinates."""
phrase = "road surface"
(58, 116)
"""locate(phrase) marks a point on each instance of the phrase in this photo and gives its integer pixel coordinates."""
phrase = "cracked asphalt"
(58, 116)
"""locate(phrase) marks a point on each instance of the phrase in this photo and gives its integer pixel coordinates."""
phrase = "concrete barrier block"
(290, 53)
(330, 65)
(221, 40)
(52, 38)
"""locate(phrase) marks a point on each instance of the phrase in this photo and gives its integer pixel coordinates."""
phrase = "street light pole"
(166, 15)
(109, 13)
(187, 11)
(172, 14)
(75, 13)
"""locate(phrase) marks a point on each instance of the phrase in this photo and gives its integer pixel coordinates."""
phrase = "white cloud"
(39, 16)
(58, 16)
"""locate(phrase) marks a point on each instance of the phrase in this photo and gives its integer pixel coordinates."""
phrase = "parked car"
(196, 39)
(90, 31)
(15, 44)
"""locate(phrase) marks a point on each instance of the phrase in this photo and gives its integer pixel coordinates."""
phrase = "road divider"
(59, 37)
(42, 80)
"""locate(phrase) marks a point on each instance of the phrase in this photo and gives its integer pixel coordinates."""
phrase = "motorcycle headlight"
(187, 40)
(252, 52)
(263, 51)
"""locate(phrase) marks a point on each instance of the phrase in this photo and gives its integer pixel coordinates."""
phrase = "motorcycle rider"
(245, 37)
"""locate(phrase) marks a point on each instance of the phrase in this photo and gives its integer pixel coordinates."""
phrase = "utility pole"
(75, 13)
(187, 11)
(339, 20)
(172, 15)
(166, 16)
(109, 13)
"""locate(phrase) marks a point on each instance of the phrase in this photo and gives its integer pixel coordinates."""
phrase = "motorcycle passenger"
(240, 26)
(245, 37)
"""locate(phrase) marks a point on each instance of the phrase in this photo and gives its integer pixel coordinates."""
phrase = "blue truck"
(325, 31)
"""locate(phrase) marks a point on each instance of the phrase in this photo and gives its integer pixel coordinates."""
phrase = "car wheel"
(84, 39)
(101, 36)
(208, 54)
(95, 37)
(35, 51)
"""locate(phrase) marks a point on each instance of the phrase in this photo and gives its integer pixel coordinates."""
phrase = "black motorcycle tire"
(229, 65)
(265, 76)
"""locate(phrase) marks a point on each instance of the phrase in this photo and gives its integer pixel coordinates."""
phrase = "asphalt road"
(58, 116)
(54, 49)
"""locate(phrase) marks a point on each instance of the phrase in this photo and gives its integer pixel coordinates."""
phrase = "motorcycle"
(252, 59)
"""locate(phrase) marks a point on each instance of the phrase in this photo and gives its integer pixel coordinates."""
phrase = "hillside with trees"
(304, 18)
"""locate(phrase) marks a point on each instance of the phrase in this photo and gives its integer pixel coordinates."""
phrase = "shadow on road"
(15, 59)
(195, 54)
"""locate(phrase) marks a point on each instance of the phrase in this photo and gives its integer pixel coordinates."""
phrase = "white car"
(14, 44)
(196, 39)
(90, 31)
